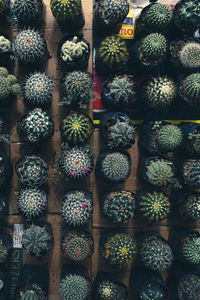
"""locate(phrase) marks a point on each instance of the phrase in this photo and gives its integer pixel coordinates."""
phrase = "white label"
(17, 235)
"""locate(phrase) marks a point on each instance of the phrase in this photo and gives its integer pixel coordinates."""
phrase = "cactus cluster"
(65, 10)
(190, 88)
(38, 90)
(154, 206)
(3, 251)
(77, 207)
(191, 173)
(77, 88)
(120, 249)
(151, 290)
(32, 169)
(36, 240)
(8, 84)
(77, 245)
(190, 248)
(170, 137)
(110, 290)
(189, 55)
(157, 17)
(31, 202)
(156, 254)
(191, 207)
(27, 11)
(73, 49)
(5, 44)
(189, 287)
(32, 291)
(36, 125)
(75, 287)
(160, 91)
(119, 206)
(76, 128)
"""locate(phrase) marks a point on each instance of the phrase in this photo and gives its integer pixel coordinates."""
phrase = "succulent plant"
(155, 253)
(8, 84)
(190, 88)
(32, 169)
(157, 17)
(73, 49)
(77, 207)
(75, 287)
(5, 44)
(38, 90)
(190, 248)
(154, 206)
(189, 287)
(36, 240)
(32, 291)
(170, 137)
(119, 206)
(189, 55)
(191, 207)
(151, 290)
(160, 91)
(3, 251)
(32, 202)
(36, 126)
(30, 295)
(191, 173)
(30, 46)
(110, 290)
(193, 141)
(120, 249)
(75, 162)
(76, 128)
(66, 10)
(113, 52)
(3, 8)
(77, 88)
(27, 11)
(77, 245)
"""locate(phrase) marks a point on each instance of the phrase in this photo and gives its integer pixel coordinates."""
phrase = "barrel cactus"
(154, 206)
(3, 251)
(119, 206)
(108, 289)
(77, 207)
(28, 11)
(120, 249)
(38, 90)
(32, 291)
(191, 207)
(151, 290)
(170, 137)
(30, 295)
(8, 85)
(189, 55)
(74, 49)
(36, 240)
(189, 287)
(190, 89)
(155, 253)
(76, 128)
(190, 248)
(32, 202)
(191, 173)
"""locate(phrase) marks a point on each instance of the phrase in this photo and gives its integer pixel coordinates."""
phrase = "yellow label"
(127, 29)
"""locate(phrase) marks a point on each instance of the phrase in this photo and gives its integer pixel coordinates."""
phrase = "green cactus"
(27, 11)
(189, 287)
(122, 89)
(31, 202)
(190, 88)
(73, 49)
(30, 295)
(191, 173)
(113, 12)
(32, 291)
(119, 206)
(38, 90)
(77, 207)
(157, 17)
(36, 240)
(110, 290)
(77, 245)
(113, 52)
(3, 251)
(160, 91)
(194, 141)
(191, 207)
(189, 55)
(5, 44)
(36, 125)
(156, 254)
(152, 290)
(190, 248)
(76, 128)
(32, 169)
(75, 287)
(30, 46)
(3, 8)
(8, 84)
(170, 137)
(120, 249)
(188, 18)
(75, 162)
(65, 10)
(154, 206)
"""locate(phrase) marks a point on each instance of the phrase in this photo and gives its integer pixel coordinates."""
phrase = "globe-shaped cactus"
(109, 289)
(191, 173)
(151, 290)
(190, 89)
(170, 137)
(190, 248)
(28, 12)
(191, 207)
(189, 55)
(189, 287)
(31, 291)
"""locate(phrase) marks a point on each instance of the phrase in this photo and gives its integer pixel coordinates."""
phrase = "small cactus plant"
(154, 206)
(170, 137)
(38, 90)
(77, 207)
(32, 169)
(189, 55)
(151, 290)
(190, 89)
(155, 253)
(110, 289)
(77, 89)
(76, 128)
(191, 207)
(190, 248)
(75, 162)
(189, 287)
(3, 251)
(191, 173)
(28, 11)
(77, 245)
(32, 291)
(119, 206)
(29, 295)
(36, 126)
(36, 240)
(31, 202)
(75, 287)
(8, 85)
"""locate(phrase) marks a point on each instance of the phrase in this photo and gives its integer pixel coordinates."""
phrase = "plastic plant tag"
(17, 235)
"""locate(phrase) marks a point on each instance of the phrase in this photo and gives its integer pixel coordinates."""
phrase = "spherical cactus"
(189, 55)
(159, 91)
(189, 287)
(113, 167)
(191, 207)
(191, 173)
(30, 295)
(120, 249)
(170, 137)
(154, 206)
(38, 90)
(157, 17)
(77, 245)
(3, 251)
(118, 206)
(108, 289)
(75, 287)
(190, 248)
(190, 89)
(36, 240)
(32, 169)
(32, 291)
(76, 128)
(77, 89)
(27, 11)
(36, 126)
(32, 202)
(30, 47)
(152, 290)
(5, 45)
(77, 207)
(155, 253)
(8, 85)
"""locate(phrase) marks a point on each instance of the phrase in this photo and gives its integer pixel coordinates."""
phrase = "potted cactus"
(190, 248)
(190, 172)
(6, 53)
(190, 207)
(5, 169)
(77, 207)
(188, 287)
(189, 90)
